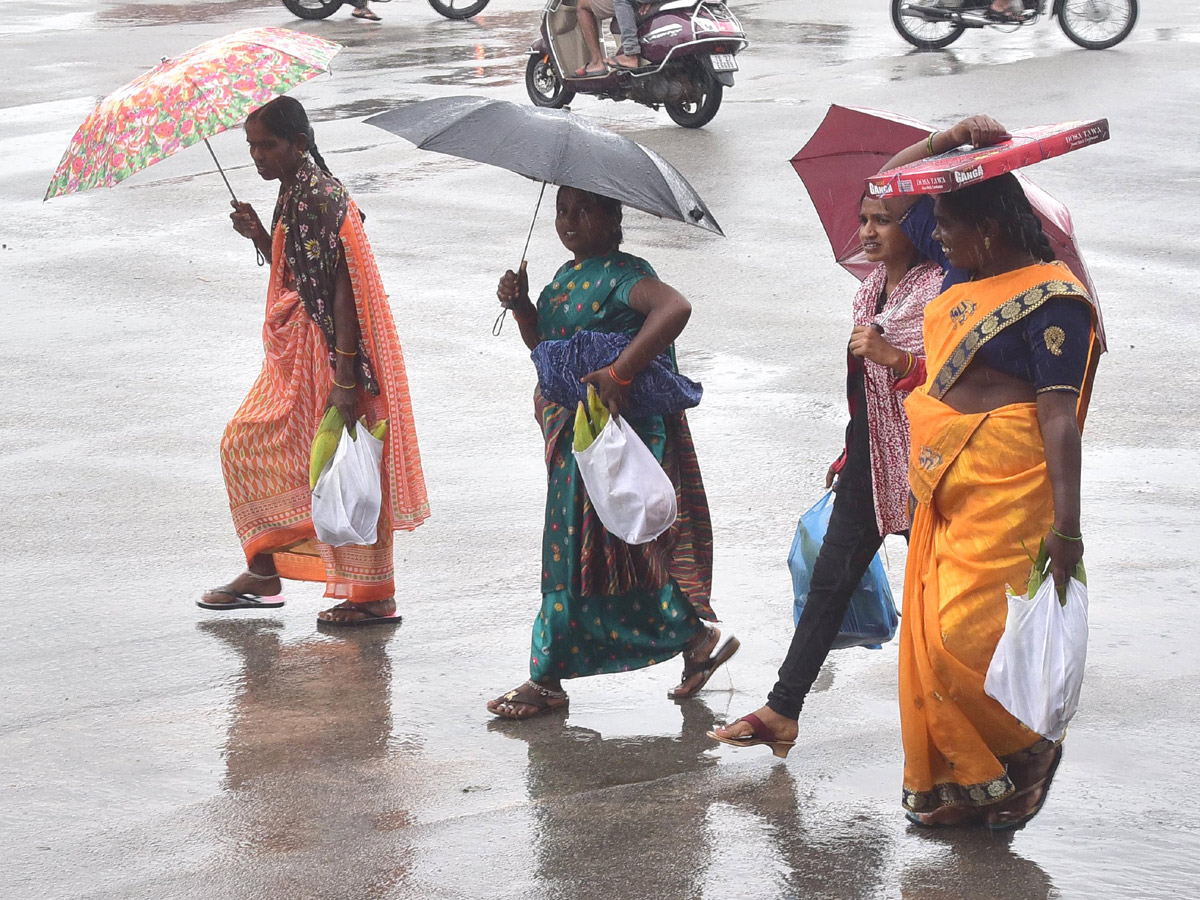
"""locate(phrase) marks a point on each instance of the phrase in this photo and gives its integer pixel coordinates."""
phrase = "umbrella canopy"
(850, 145)
(552, 146)
(187, 99)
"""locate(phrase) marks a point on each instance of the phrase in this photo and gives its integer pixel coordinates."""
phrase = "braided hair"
(1002, 200)
(285, 117)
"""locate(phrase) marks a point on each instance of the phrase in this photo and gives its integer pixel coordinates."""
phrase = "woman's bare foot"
(248, 582)
(782, 728)
(347, 612)
(528, 700)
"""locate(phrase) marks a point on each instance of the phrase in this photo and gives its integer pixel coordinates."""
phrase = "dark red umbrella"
(848, 147)
(851, 144)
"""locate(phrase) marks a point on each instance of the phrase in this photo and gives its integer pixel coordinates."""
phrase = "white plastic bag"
(1037, 669)
(348, 495)
(628, 488)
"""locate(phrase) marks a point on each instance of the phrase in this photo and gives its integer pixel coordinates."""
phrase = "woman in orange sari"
(329, 341)
(994, 469)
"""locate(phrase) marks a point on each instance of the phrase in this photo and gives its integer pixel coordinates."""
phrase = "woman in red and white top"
(886, 360)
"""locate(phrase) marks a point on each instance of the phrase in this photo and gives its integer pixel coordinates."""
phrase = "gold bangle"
(1065, 537)
(344, 352)
(929, 143)
(344, 387)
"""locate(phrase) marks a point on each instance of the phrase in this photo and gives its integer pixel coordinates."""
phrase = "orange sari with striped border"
(983, 496)
(265, 448)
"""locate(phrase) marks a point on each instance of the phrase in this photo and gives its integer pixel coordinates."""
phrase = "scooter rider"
(592, 13)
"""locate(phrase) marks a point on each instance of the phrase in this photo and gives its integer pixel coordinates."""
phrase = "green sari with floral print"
(608, 606)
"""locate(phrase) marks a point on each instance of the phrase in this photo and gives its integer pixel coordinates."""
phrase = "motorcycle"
(1094, 24)
(689, 47)
(323, 9)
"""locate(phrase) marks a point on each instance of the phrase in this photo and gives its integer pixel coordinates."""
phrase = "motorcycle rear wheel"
(313, 9)
(1098, 24)
(701, 112)
(543, 84)
(458, 9)
(923, 33)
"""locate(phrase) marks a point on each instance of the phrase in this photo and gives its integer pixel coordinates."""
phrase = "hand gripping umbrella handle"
(498, 325)
(257, 253)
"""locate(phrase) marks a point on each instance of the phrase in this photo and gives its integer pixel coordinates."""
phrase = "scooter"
(1094, 24)
(323, 9)
(688, 46)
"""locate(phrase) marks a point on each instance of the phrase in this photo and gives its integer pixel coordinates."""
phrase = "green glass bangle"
(1065, 537)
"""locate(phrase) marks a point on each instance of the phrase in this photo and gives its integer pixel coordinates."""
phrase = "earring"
(987, 242)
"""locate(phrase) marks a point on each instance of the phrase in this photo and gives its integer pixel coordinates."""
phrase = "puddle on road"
(132, 13)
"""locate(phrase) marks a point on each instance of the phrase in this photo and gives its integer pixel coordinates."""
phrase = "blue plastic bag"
(871, 620)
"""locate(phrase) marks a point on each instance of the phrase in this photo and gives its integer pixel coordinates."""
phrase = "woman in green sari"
(608, 606)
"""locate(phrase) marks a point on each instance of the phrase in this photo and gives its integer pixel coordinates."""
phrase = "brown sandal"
(721, 653)
(542, 699)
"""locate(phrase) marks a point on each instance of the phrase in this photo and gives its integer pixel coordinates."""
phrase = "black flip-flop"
(243, 601)
(369, 618)
(366, 15)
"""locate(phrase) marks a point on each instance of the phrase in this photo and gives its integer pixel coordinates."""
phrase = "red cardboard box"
(960, 168)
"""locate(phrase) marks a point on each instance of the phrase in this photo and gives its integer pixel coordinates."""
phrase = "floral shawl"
(311, 214)
(901, 319)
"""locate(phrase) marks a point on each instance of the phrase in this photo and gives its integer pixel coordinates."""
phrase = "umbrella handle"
(259, 258)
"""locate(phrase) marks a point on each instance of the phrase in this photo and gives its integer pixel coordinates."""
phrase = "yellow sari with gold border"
(983, 496)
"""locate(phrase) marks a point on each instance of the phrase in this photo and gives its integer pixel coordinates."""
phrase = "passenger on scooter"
(592, 13)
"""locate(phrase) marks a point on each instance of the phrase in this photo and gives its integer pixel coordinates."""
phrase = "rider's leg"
(590, 29)
(627, 21)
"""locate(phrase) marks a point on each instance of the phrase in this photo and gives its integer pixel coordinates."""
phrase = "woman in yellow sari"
(994, 469)
(330, 341)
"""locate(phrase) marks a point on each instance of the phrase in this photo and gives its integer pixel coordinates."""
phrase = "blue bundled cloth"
(872, 620)
(657, 390)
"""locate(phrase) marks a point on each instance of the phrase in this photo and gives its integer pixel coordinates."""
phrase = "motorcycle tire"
(464, 10)
(1082, 14)
(543, 85)
(922, 33)
(313, 9)
(700, 113)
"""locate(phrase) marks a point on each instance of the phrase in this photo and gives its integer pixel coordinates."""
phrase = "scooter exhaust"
(936, 14)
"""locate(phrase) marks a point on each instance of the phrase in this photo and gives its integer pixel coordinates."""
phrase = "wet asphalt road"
(151, 750)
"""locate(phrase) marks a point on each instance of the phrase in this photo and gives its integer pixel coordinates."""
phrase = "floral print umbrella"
(187, 99)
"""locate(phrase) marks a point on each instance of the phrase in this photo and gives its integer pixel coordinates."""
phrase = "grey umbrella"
(552, 146)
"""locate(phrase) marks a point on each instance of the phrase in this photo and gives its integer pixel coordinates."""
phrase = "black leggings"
(851, 542)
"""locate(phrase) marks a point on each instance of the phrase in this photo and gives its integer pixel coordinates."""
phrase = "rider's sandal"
(529, 694)
(721, 654)
(245, 599)
(366, 14)
(641, 65)
(761, 735)
(1012, 15)
(589, 72)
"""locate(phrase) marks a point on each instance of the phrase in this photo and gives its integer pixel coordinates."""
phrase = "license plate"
(723, 62)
